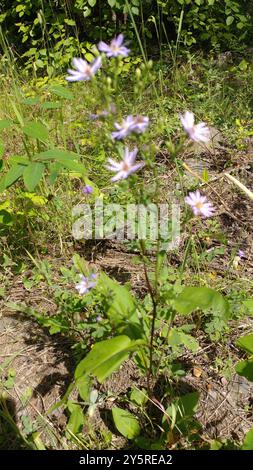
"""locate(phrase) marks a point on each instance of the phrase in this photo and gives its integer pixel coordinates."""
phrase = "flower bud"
(138, 73)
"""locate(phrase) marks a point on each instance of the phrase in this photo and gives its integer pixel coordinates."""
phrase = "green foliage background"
(43, 29)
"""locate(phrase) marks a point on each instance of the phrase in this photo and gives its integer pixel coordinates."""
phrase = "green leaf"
(33, 174)
(105, 357)
(245, 368)
(92, 3)
(56, 154)
(61, 91)
(1, 149)
(229, 20)
(126, 423)
(11, 176)
(243, 65)
(246, 343)
(139, 397)
(76, 420)
(248, 441)
(122, 304)
(112, 3)
(83, 386)
(249, 305)
(5, 217)
(5, 124)
(177, 338)
(36, 130)
(182, 410)
(203, 298)
(72, 165)
(51, 105)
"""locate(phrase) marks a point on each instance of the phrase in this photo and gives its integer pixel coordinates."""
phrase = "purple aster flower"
(126, 167)
(84, 70)
(124, 129)
(104, 112)
(241, 254)
(140, 124)
(130, 124)
(88, 189)
(115, 49)
(199, 204)
(197, 132)
(86, 284)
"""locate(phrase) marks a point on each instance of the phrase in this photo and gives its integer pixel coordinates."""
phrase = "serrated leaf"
(36, 130)
(33, 174)
(126, 423)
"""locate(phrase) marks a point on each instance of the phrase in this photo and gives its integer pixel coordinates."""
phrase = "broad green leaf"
(33, 174)
(249, 304)
(83, 386)
(31, 101)
(5, 217)
(37, 130)
(72, 165)
(20, 160)
(61, 91)
(182, 410)
(139, 397)
(5, 124)
(112, 3)
(76, 420)
(56, 154)
(51, 105)
(126, 423)
(92, 3)
(246, 343)
(11, 176)
(203, 298)
(177, 338)
(245, 368)
(248, 441)
(122, 304)
(105, 357)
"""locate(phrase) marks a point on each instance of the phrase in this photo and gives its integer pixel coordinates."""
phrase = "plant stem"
(154, 314)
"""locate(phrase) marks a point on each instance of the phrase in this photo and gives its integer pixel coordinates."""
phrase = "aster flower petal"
(197, 132)
(96, 64)
(199, 204)
(103, 47)
(131, 156)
